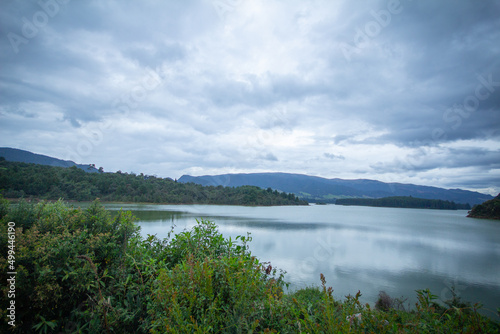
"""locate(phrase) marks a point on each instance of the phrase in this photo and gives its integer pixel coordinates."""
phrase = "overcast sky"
(398, 91)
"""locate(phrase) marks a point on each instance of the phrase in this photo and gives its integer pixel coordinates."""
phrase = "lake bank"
(395, 250)
(85, 267)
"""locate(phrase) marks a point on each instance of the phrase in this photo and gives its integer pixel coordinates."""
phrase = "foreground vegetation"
(404, 202)
(20, 180)
(488, 210)
(85, 271)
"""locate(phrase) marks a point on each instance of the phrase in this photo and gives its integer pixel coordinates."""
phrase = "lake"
(357, 248)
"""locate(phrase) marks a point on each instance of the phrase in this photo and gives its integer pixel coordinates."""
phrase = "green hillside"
(17, 155)
(488, 210)
(19, 180)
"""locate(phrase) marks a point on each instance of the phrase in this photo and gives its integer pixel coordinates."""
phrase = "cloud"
(171, 88)
(333, 156)
(430, 158)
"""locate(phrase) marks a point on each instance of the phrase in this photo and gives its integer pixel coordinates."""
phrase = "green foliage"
(222, 294)
(488, 210)
(18, 180)
(24, 214)
(85, 271)
(404, 202)
(4, 207)
(54, 286)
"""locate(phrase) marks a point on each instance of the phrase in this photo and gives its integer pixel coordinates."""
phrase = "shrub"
(54, 286)
(384, 302)
(4, 207)
(215, 285)
(24, 214)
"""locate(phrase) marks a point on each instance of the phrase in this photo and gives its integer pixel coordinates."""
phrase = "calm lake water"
(357, 248)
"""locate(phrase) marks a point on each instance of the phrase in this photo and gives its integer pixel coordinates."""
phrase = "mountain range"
(318, 189)
(17, 155)
(310, 188)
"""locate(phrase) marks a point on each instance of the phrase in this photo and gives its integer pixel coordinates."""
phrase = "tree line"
(24, 180)
(404, 202)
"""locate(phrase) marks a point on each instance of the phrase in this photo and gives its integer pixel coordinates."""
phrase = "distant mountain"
(16, 155)
(313, 188)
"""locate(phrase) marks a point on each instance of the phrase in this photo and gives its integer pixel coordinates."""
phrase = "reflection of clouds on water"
(268, 246)
(356, 248)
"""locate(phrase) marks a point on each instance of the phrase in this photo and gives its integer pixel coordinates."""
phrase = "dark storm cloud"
(453, 158)
(54, 62)
(446, 46)
(262, 92)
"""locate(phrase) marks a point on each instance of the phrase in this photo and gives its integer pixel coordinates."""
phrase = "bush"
(214, 285)
(384, 302)
(4, 207)
(24, 214)
(63, 259)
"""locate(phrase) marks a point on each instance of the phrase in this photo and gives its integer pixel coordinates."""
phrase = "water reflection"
(147, 216)
(371, 249)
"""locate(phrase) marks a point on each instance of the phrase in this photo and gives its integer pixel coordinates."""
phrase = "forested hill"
(404, 202)
(488, 210)
(318, 189)
(17, 155)
(19, 179)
